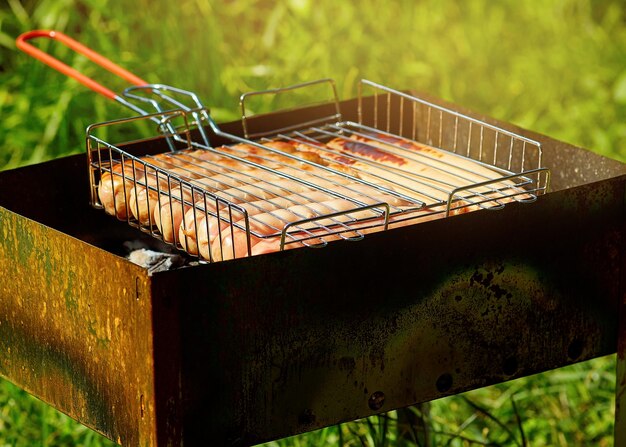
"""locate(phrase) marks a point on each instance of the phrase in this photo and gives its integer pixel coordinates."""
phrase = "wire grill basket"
(314, 181)
(311, 180)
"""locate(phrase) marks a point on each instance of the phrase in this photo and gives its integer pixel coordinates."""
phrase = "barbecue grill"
(268, 346)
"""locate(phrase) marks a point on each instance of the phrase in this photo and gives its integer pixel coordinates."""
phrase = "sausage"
(221, 173)
(113, 189)
(287, 190)
(252, 185)
(115, 185)
(270, 245)
(430, 179)
(264, 197)
(194, 228)
(454, 170)
(116, 188)
(143, 199)
(234, 241)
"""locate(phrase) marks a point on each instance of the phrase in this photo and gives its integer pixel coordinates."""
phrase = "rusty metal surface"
(281, 344)
(271, 346)
(75, 329)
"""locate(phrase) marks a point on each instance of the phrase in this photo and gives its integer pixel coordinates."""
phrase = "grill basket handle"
(165, 93)
(22, 44)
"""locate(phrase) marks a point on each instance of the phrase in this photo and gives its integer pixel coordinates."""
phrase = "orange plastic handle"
(102, 61)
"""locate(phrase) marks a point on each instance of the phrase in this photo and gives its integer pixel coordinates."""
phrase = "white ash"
(155, 261)
(142, 254)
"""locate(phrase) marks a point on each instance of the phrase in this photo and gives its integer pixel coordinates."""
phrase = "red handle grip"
(102, 61)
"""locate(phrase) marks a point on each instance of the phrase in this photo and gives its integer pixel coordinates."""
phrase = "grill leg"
(620, 396)
(413, 425)
(620, 374)
(620, 402)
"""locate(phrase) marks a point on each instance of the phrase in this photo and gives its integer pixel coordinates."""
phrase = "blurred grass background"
(557, 67)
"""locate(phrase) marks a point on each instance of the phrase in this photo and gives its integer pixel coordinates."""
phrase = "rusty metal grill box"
(269, 346)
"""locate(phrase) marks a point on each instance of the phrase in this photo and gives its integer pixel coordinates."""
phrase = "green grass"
(570, 406)
(28, 422)
(555, 67)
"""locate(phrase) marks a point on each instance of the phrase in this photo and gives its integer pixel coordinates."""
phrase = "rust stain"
(70, 335)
